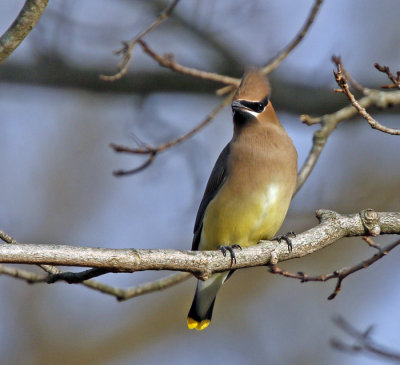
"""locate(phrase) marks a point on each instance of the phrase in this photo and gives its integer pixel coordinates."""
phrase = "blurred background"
(58, 118)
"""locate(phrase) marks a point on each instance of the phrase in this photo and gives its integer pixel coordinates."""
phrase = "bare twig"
(338, 61)
(169, 61)
(344, 87)
(386, 70)
(273, 64)
(127, 48)
(28, 276)
(21, 27)
(329, 122)
(152, 286)
(146, 164)
(153, 151)
(277, 60)
(371, 243)
(340, 274)
(364, 343)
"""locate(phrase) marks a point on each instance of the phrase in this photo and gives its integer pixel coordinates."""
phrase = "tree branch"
(364, 342)
(127, 48)
(169, 61)
(329, 122)
(21, 27)
(273, 64)
(339, 274)
(344, 87)
(332, 227)
(395, 79)
(154, 151)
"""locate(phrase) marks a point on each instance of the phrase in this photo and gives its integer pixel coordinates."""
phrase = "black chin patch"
(241, 117)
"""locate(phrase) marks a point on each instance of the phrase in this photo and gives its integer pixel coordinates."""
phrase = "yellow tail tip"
(199, 326)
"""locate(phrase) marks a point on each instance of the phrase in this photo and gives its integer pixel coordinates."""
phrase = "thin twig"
(344, 87)
(274, 63)
(371, 243)
(329, 122)
(28, 276)
(128, 46)
(364, 342)
(340, 274)
(146, 164)
(386, 70)
(277, 60)
(153, 151)
(169, 61)
(337, 60)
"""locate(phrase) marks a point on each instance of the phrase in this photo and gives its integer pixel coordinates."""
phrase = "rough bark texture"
(21, 27)
(332, 227)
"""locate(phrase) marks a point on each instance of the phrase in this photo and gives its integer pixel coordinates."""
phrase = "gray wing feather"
(215, 182)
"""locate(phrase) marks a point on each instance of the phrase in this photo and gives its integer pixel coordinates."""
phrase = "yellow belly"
(234, 219)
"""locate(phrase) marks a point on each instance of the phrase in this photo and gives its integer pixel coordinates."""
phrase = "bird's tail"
(200, 312)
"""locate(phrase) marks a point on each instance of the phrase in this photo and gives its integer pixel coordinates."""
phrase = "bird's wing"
(215, 182)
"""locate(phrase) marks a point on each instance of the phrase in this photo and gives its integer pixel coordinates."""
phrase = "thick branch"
(21, 27)
(332, 227)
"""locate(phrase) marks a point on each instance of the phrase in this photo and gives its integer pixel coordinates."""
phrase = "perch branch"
(54, 274)
(332, 227)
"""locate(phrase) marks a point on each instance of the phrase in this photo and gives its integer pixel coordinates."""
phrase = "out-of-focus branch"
(274, 63)
(363, 342)
(127, 48)
(340, 274)
(21, 27)
(277, 60)
(154, 151)
(395, 79)
(329, 122)
(169, 61)
(202, 264)
(344, 87)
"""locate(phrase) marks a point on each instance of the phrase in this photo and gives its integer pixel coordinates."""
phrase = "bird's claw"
(230, 249)
(286, 237)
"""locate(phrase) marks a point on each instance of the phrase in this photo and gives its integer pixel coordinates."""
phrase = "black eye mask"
(256, 106)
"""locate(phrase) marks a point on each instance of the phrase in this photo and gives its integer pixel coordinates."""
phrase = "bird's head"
(251, 100)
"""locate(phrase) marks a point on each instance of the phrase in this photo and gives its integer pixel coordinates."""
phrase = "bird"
(249, 190)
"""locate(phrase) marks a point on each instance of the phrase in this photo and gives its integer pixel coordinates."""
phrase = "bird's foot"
(286, 237)
(230, 249)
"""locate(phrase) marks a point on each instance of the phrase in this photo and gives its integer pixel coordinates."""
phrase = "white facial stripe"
(254, 114)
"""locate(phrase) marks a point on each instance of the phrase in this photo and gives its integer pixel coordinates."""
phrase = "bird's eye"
(259, 108)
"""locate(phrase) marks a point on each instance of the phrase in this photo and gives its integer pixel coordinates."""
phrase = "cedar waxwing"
(249, 190)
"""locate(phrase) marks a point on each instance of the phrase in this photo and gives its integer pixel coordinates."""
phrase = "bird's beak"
(236, 105)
